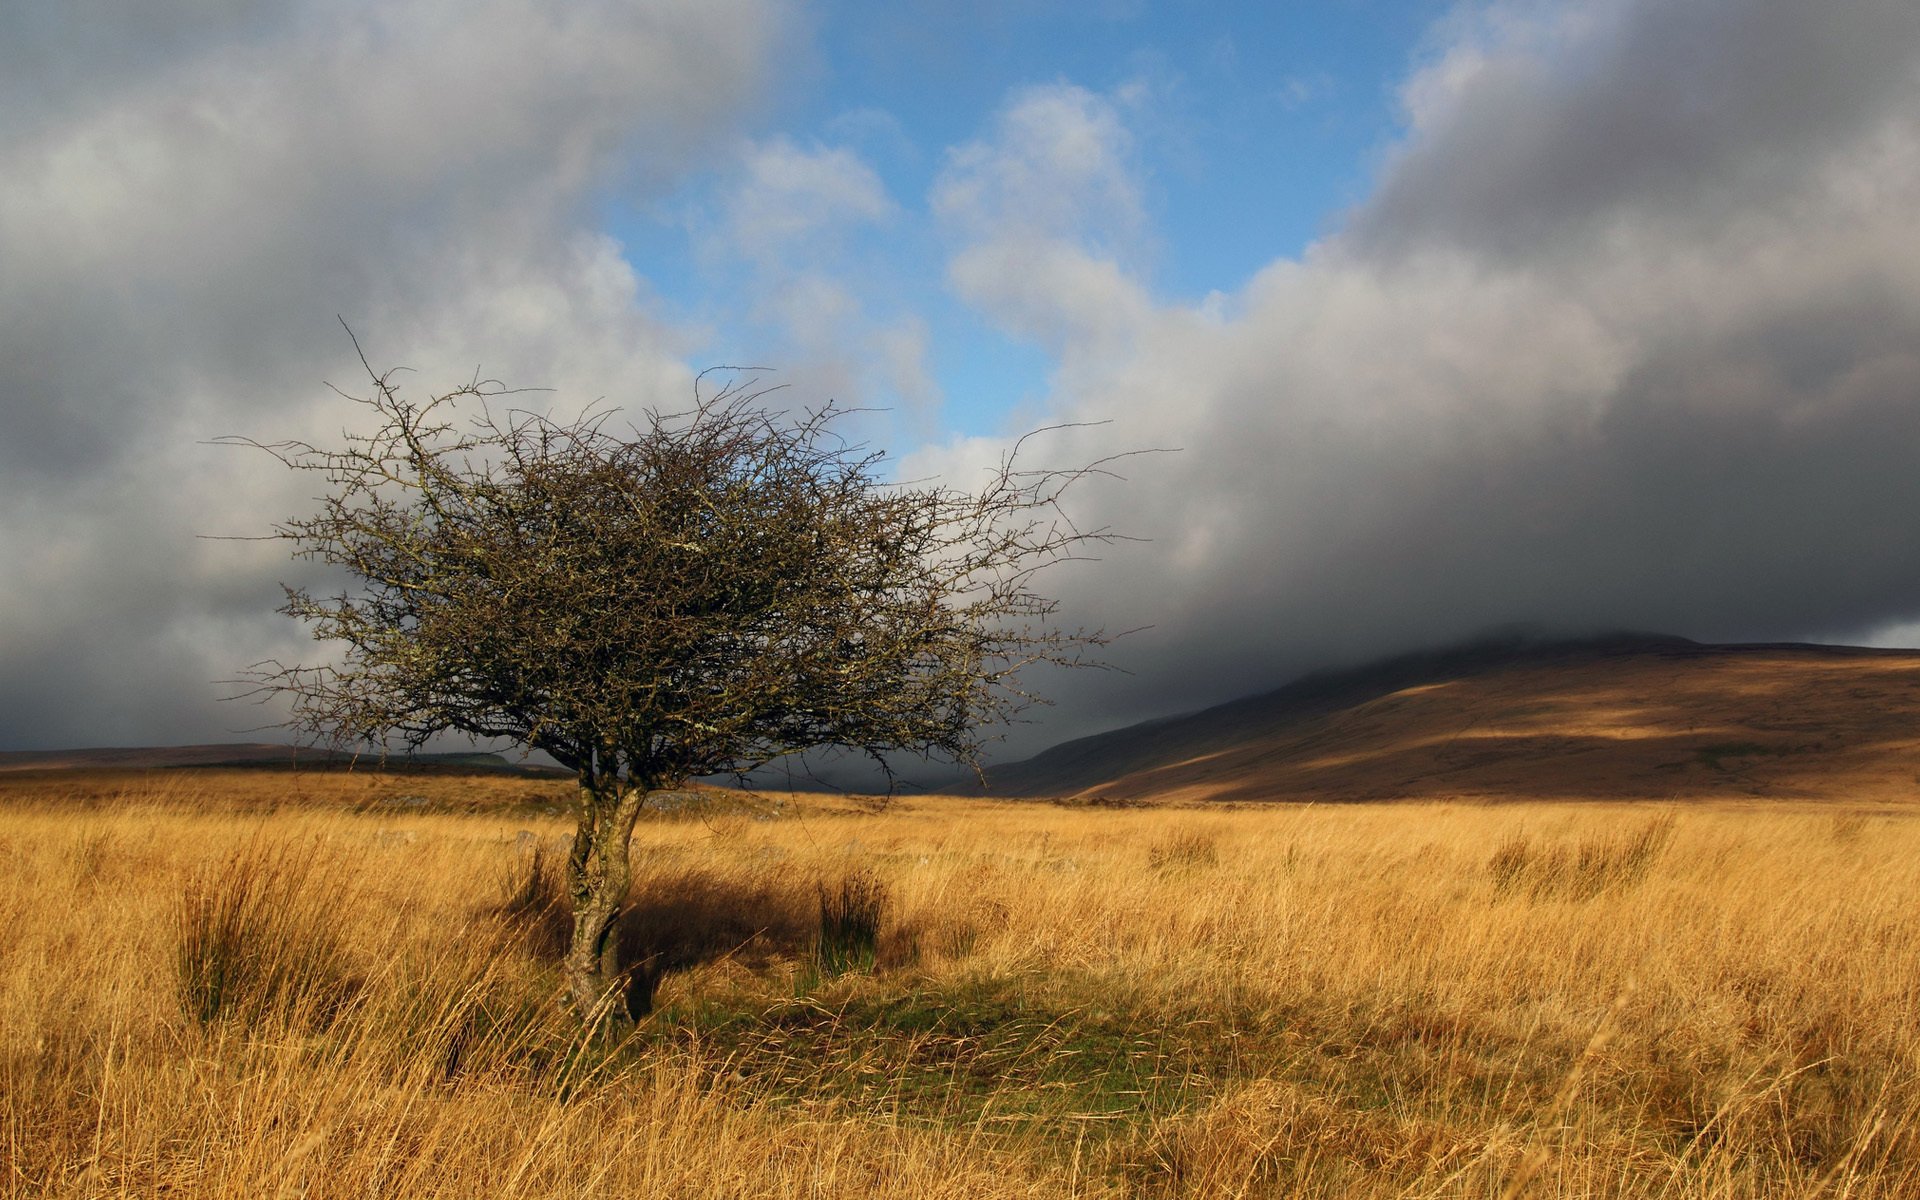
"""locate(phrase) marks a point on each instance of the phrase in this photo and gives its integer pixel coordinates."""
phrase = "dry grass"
(254, 984)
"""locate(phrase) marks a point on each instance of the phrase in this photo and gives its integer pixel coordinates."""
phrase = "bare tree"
(695, 594)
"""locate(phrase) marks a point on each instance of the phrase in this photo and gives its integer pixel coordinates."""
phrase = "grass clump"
(255, 937)
(850, 917)
(1184, 850)
(531, 900)
(1582, 871)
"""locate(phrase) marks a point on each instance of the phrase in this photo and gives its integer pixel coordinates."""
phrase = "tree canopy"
(689, 594)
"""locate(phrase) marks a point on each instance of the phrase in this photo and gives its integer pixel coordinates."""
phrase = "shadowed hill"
(254, 754)
(1618, 717)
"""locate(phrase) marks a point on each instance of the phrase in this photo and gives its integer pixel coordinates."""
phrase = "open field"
(253, 983)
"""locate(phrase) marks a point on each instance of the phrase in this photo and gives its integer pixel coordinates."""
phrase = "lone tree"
(694, 594)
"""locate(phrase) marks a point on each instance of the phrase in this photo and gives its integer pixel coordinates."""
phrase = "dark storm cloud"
(1628, 336)
(1609, 117)
(190, 192)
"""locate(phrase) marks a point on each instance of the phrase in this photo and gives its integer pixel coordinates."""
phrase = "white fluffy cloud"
(1056, 164)
(1048, 219)
(1628, 336)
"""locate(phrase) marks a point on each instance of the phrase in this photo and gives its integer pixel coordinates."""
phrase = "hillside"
(1619, 717)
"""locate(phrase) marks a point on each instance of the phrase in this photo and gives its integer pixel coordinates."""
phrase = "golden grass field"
(1444, 1000)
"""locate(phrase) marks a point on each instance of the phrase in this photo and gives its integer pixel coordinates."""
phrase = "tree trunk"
(598, 874)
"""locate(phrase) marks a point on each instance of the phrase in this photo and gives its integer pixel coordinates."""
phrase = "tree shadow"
(675, 918)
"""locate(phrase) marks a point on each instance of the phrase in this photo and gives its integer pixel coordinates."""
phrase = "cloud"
(188, 197)
(1627, 335)
(792, 197)
(1048, 220)
(792, 229)
(831, 346)
(1543, 125)
(1056, 165)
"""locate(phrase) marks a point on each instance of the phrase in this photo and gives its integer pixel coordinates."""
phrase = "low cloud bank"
(1626, 337)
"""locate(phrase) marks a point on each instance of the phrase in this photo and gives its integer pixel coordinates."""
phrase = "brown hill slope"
(1612, 718)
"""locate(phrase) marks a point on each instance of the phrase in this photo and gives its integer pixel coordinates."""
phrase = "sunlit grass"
(252, 983)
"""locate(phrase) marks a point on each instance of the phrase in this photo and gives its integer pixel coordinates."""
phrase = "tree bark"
(598, 875)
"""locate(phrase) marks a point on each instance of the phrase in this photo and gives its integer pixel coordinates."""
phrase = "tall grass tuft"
(850, 918)
(1583, 871)
(255, 937)
(1184, 850)
(531, 886)
(531, 900)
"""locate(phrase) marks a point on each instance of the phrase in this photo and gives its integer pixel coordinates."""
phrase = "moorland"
(254, 982)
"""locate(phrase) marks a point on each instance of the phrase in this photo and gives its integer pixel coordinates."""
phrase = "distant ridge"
(246, 754)
(1622, 715)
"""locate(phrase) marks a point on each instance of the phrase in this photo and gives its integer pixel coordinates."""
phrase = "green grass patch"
(987, 1053)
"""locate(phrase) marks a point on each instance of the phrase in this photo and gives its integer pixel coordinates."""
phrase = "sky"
(1577, 315)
